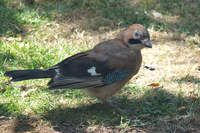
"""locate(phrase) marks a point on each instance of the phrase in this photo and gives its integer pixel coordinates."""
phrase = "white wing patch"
(56, 70)
(92, 71)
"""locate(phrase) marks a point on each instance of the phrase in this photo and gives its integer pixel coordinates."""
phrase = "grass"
(46, 32)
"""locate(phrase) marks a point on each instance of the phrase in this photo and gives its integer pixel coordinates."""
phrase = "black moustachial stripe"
(134, 41)
(116, 76)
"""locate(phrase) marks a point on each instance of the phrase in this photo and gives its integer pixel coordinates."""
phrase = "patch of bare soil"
(25, 126)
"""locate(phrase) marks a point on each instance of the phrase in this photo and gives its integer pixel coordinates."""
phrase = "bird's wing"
(78, 55)
(94, 68)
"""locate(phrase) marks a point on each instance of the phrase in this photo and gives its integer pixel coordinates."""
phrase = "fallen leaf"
(183, 108)
(194, 98)
(153, 84)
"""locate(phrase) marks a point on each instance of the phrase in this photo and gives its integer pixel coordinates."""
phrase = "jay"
(100, 71)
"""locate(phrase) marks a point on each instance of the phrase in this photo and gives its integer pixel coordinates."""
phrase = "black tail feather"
(19, 75)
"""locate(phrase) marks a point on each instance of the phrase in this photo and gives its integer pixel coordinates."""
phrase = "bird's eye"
(136, 34)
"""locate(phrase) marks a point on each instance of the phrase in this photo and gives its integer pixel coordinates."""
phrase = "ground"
(163, 96)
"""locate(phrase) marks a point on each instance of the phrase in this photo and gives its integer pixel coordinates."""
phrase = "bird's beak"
(146, 43)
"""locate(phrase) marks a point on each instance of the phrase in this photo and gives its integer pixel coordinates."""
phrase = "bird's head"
(136, 36)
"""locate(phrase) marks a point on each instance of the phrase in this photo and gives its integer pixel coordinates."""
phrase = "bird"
(101, 71)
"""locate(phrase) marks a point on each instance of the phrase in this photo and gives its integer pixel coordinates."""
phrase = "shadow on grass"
(150, 109)
(188, 79)
(10, 122)
(86, 15)
(106, 15)
(10, 24)
(6, 125)
(95, 15)
(155, 110)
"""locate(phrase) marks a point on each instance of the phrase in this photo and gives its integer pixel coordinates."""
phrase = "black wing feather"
(74, 74)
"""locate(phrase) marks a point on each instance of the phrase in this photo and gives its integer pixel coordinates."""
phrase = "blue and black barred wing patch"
(115, 76)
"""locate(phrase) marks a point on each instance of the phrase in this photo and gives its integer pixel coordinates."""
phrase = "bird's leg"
(110, 104)
(115, 101)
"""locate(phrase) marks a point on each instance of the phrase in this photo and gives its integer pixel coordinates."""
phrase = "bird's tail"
(19, 75)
